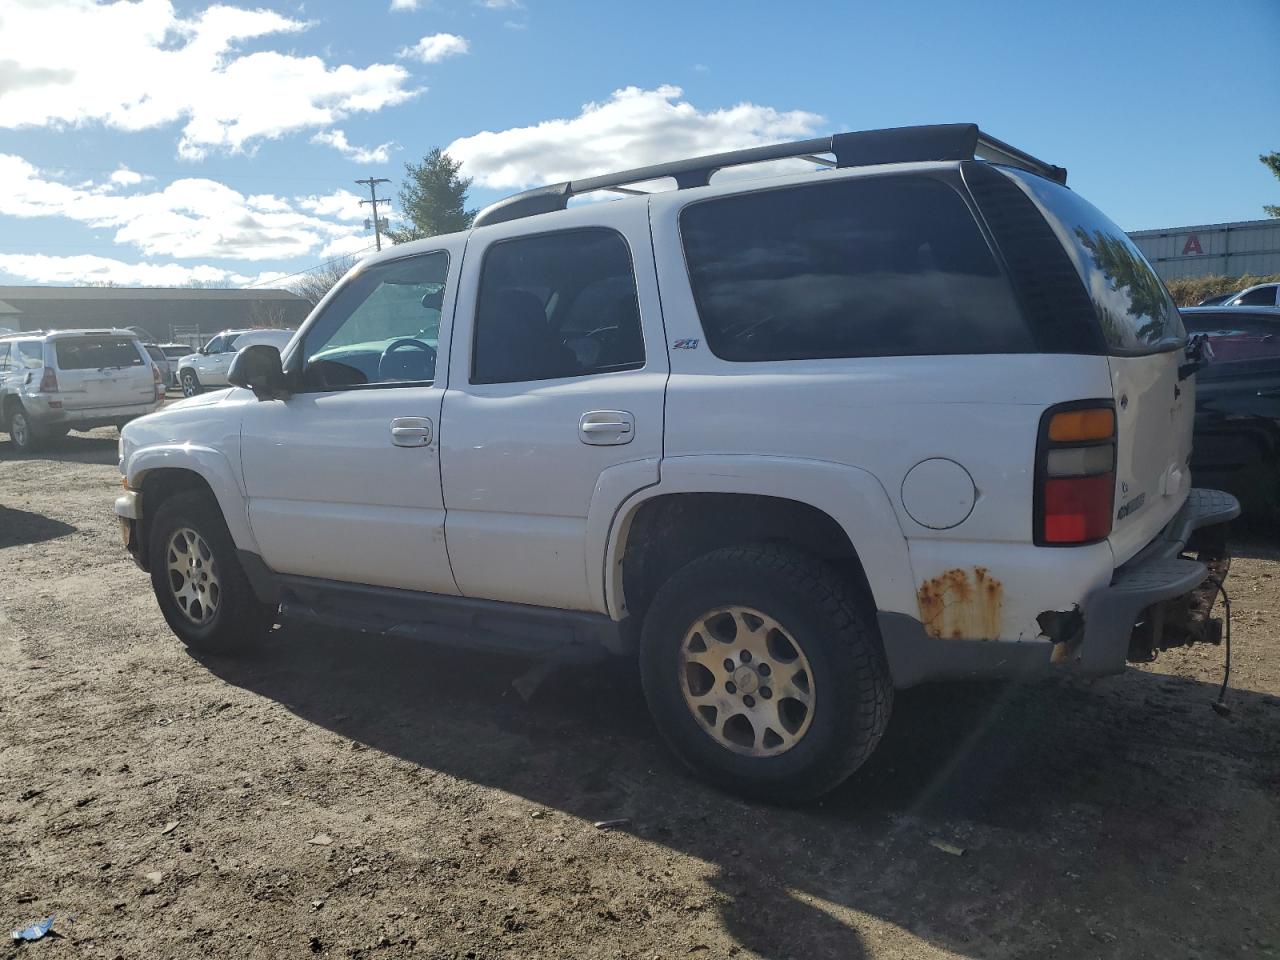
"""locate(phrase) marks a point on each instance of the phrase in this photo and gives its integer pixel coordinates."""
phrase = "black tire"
(834, 631)
(22, 432)
(190, 383)
(238, 621)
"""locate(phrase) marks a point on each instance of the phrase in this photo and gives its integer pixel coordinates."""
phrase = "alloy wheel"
(746, 681)
(19, 430)
(193, 576)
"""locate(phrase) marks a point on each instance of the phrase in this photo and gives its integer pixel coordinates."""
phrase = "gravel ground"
(346, 796)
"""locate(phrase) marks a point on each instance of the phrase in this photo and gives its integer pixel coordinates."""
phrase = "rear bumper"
(1158, 573)
(1091, 637)
(42, 414)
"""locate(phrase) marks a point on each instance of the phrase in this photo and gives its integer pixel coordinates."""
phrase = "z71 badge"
(685, 345)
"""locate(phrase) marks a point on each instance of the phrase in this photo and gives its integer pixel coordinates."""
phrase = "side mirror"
(258, 368)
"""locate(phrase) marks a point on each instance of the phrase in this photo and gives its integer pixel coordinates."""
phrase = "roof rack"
(943, 141)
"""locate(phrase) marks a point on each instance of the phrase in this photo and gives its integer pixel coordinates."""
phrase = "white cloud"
(701, 68)
(633, 128)
(404, 4)
(338, 140)
(139, 65)
(348, 245)
(502, 4)
(340, 205)
(124, 177)
(190, 217)
(436, 47)
(87, 268)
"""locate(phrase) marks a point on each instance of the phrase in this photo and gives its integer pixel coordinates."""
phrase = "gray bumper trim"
(1157, 573)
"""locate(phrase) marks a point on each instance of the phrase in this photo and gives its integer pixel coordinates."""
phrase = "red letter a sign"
(1192, 246)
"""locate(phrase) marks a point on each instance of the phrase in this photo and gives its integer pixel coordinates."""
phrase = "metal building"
(187, 314)
(1228, 249)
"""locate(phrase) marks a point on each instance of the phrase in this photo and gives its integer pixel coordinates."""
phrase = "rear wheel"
(22, 433)
(199, 584)
(190, 383)
(764, 672)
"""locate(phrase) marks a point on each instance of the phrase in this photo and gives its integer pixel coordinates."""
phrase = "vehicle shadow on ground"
(1065, 795)
(20, 527)
(100, 446)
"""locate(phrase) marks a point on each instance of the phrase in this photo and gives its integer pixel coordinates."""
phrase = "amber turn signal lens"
(1071, 425)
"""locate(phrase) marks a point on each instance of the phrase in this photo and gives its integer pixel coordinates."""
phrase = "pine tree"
(1272, 162)
(433, 198)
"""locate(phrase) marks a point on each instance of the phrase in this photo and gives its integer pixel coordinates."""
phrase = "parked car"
(208, 366)
(174, 352)
(1217, 299)
(1237, 431)
(162, 362)
(52, 382)
(793, 443)
(1260, 295)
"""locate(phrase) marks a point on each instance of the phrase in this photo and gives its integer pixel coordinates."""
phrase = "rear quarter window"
(1134, 310)
(92, 353)
(867, 267)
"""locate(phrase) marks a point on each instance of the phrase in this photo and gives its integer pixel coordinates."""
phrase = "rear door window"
(30, 355)
(1134, 309)
(867, 267)
(95, 353)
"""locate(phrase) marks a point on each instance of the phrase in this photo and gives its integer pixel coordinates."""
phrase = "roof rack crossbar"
(947, 141)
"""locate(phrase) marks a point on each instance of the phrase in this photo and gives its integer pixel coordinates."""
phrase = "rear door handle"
(411, 431)
(606, 427)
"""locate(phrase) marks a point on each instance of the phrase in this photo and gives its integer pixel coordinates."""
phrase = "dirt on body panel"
(959, 605)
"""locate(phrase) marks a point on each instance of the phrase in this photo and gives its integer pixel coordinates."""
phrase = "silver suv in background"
(207, 367)
(55, 381)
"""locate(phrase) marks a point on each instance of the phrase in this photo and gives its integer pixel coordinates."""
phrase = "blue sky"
(150, 142)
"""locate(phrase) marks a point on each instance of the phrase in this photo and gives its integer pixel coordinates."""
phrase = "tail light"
(158, 381)
(48, 381)
(1075, 473)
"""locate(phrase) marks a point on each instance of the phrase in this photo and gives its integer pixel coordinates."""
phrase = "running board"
(488, 625)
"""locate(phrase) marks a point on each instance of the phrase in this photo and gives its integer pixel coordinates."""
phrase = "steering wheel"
(393, 367)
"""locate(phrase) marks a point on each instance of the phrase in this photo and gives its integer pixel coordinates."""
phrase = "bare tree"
(314, 284)
(268, 313)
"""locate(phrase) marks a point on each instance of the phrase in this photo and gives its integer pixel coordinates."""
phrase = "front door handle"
(411, 431)
(606, 427)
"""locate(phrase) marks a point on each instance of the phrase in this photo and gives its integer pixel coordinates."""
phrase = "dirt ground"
(345, 796)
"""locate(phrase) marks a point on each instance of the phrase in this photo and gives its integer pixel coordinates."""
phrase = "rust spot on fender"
(961, 605)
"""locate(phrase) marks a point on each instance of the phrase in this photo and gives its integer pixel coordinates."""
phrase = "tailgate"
(1155, 414)
(105, 371)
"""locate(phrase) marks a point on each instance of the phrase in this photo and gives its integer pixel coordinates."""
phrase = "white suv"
(793, 442)
(52, 382)
(208, 366)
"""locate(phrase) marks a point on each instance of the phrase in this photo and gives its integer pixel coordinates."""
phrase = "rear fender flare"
(851, 496)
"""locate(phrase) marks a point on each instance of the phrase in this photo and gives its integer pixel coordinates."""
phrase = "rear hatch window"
(1134, 310)
(96, 353)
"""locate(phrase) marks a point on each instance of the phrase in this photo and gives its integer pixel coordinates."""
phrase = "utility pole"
(373, 201)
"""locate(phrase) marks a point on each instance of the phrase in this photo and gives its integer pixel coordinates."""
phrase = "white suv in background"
(52, 382)
(207, 367)
(791, 443)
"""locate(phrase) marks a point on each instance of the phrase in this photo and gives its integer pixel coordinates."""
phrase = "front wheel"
(764, 672)
(190, 383)
(198, 581)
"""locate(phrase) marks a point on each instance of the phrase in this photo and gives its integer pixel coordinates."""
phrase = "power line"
(318, 266)
(373, 201)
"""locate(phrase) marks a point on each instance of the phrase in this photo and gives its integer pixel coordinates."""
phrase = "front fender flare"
(209, 464)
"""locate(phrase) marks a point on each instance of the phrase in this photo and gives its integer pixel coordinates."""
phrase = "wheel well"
(668, 532)
(157, 487)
